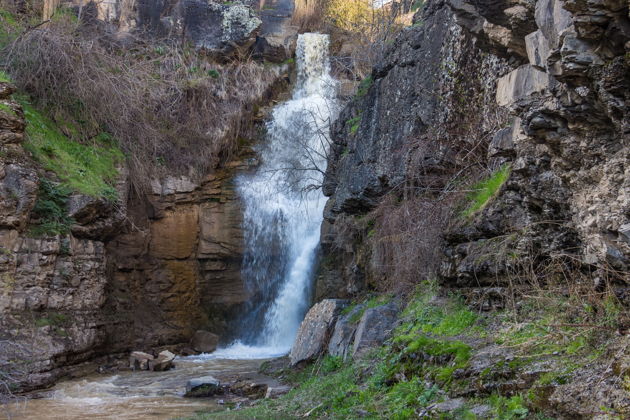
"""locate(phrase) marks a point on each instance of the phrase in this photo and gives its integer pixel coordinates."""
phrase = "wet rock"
(164, 361)
(139, 360)
(250, 389)
(205, 386)
(314, 332)
(374, 328)
(204, 341)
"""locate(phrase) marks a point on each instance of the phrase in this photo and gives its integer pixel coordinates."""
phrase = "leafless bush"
(13, 369)
(170, 110)
(359, 23)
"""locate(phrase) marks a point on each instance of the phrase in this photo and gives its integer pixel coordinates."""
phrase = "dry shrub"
(407, 240)
(367, 29)
(170, 110)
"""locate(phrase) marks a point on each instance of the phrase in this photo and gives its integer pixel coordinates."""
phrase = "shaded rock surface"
(204, 341)
(374, 328)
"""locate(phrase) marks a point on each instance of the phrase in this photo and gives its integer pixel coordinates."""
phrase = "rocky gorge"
(430, 300)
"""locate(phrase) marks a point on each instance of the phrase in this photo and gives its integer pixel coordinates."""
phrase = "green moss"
(86, 168)
(6, 108)
(364, 86)
(485, 190)
(53, 319)
(9, 28)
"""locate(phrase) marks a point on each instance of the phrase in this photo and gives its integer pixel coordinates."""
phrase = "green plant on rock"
(484, 191)
(354, 124)
(364, 86)
(512, 408)
(50, 210)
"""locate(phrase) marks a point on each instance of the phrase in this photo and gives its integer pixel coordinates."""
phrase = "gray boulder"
(204, 341)
(163, 362)
(345, 328)
(205, 386)
(314, 331)
(374, 328)
(139, 360)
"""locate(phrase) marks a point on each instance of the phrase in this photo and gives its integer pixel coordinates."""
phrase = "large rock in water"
(163, 362)
(314, 331)
(139, 360)
(374, 328)
(205, 386)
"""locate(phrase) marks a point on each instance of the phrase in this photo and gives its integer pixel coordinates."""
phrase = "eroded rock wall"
(540, 86)
(52, 289)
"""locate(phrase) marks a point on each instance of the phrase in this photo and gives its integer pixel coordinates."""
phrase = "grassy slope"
(89, 168)
(424, 361)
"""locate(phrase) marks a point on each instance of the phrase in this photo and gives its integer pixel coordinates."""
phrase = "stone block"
(312, 337)
(521, 83)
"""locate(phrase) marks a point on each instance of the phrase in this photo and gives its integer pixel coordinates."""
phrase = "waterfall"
(284, 207)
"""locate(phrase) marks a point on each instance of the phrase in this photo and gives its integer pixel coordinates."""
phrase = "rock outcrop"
(536, 91)
(314, 332)
(326, 330)
(222, 29)
(548, 82)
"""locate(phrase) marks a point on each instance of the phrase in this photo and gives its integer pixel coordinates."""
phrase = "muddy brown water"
(130, 395)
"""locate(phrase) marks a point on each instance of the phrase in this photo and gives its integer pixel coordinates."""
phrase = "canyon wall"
(537, 88)
(143, 271)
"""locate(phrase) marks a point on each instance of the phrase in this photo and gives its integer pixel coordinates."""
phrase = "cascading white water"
(284, 207)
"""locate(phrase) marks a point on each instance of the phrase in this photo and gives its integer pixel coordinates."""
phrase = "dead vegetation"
(361, 30)
(170, 109)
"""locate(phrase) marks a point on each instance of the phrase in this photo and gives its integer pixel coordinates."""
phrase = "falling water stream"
(284, 207)
(282, 218)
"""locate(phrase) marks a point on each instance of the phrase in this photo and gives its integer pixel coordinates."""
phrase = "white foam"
(240, 351)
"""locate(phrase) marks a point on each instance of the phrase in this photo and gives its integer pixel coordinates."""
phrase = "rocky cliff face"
(222, 29)
(539, 86)
(141, 272)
(53, 289)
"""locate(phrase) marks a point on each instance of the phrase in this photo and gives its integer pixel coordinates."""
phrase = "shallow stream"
(127, 395)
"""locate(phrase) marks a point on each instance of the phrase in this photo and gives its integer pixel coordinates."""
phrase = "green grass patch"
(53, 319)
(50, 210)
(485, 190)
(365, 86)
(9, 28)
(451, 317)
(512, 408)
(86, 168)
(6, 108)
(354, 124)
(5, 77)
